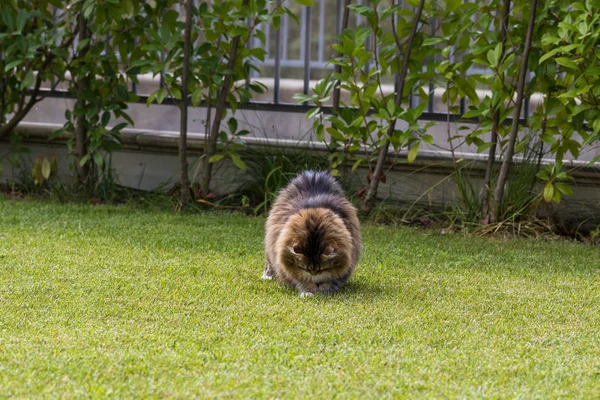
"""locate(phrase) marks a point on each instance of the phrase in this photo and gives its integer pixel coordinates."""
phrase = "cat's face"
(314, 265)
(315, 244)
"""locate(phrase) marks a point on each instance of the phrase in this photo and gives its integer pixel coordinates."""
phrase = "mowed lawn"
(107, 301)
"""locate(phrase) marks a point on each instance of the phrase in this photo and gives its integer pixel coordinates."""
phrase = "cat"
(312, 235)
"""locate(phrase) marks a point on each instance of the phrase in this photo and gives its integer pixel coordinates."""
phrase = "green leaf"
(452, 5)
(84, 159)
(170, 19)
(301, 98)
(238, 161)
(176, 93)
(98, 159)
(547, 138)
(356, 164)
(335, 134)
(161, 94)
(83, 44)
(320, 133)
(472, 114)
(105, 118)
(592, 71)
(46, 168)
(151, 98)
(412, 153)
(12, 64)
(391, 106)
(196, 97)
(562, 175)
(88, 8)
(543, 175)
(565, 189)
(493, 56)
(567, 62)
(548, 192)
(22, 17)
(307, 3)
(312, 113)
(216, 157)
(28, 80)
(427, 138)
(232, 124)
(556, 197)
(484, 146)
(580, 108)
(432, 41)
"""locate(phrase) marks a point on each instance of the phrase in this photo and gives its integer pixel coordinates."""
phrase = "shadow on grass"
(363, 291)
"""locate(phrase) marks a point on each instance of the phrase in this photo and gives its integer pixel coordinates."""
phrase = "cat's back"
(310, 189)
(310, 185)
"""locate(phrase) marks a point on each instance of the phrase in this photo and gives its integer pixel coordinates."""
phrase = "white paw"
(306, 294)
(266, 277)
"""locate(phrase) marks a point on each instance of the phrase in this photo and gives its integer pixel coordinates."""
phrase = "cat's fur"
(313, 238)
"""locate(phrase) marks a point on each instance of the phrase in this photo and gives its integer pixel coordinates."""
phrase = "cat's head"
(315, 244)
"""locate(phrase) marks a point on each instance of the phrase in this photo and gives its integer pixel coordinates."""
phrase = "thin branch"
(369, 200)
(219, 110)
(486, 189)
(499, 192)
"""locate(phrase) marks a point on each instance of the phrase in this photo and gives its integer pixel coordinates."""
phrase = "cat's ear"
(328, 252)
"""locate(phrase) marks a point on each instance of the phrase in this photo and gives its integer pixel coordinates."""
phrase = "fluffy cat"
(313, 238)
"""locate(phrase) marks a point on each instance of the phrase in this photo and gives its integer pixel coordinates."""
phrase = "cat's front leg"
(306, 289)
(268, 272)
(330, 287)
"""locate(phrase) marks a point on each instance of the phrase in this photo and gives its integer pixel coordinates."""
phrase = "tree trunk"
(486, 190)
(369, 201)
(211, 149)
(502, 177)
(81, 142)
(184, 179)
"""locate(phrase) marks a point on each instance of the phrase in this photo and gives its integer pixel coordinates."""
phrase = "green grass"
(120, 302)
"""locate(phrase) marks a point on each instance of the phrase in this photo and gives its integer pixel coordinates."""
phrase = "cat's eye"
(328, 252)
(298, 249)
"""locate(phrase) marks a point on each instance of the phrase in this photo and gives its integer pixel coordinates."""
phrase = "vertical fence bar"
(321, 30)
(338, 17)
(285, 26)
(134, 86)
(277, 74)
(306, 46)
